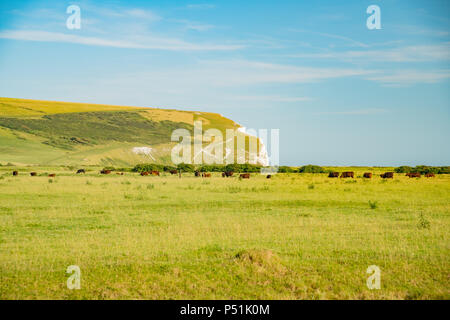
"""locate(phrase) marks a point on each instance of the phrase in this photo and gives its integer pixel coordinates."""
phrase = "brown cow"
(81, 171)
(367, 175)
(155, 173)
(223, 175)
(387, 175)
(15, 173)
(244, 176)
(228, 173)
(52, 175)
(172, 172)
(33, 174)
(145, 173)
(197, 173)
(429, 175)
(413, 175)
(105, 171)
(348, 174)
(333, 175)
(206, 175)
(119, 173)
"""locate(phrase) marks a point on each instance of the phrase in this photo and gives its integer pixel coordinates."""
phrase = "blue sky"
(339, 93)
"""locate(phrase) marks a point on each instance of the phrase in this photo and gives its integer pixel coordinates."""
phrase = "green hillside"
(60, 133)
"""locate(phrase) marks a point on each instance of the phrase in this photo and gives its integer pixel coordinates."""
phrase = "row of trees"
(183, 167)
(423, 169)
(249, 168)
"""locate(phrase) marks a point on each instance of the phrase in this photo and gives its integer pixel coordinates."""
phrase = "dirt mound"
(263, 260)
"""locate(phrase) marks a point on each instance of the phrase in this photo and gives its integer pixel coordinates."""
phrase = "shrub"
(425, 169)
(423, 222)
(311, 169)
(403, 169)
(245, 167)
(286, 169)
(147, 167)
(211, 168)
(444, 170)
(169, 168)
(183, 167)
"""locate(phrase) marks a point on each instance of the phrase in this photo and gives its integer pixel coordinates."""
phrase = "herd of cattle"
(368, 175)
(347, 174)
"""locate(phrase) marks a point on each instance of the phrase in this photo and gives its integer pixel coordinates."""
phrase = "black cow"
(333, 175)
(387, 175)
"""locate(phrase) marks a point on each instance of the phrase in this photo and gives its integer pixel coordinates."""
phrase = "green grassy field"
(296, 236)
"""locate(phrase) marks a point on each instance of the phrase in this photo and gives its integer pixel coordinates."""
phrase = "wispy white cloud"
(244, 71)
(359, 112)
(193, 25)
(133, 42)
(211, 75)
(350, 41)
(410, 77)
(416, 53)
(143, 14)
(201, 6)
(271, 98)
(120, 12)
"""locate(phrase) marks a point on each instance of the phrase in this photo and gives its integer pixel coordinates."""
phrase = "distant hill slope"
(48, 132)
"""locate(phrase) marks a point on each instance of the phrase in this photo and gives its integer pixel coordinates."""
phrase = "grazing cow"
(429, 175)
(244, 176)
(348, 174)
(387, 175)
(145, 173)
(269, 176)
(155, 173)
(223, 175)
(172, 172)
(333, 175)
(15, 173)
(81, 171)
(52, 175)
(413, 175)
(105, 171)
(229, 173)
(368, 175)
(119, 173)
(33, 174)
(206, 175)
(197, 173)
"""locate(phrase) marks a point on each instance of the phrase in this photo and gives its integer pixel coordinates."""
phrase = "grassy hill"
(61, 133)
